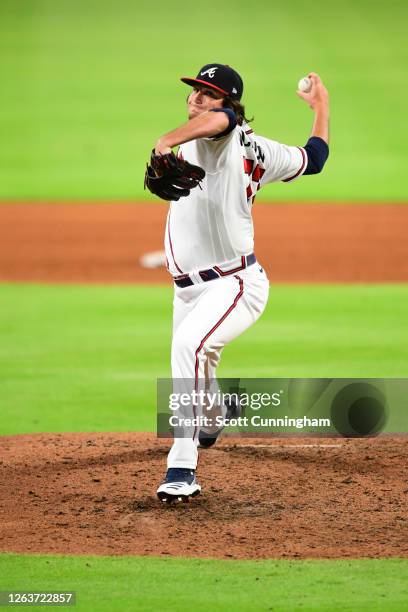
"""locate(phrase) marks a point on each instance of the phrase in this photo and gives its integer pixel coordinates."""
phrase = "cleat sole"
(169, 499)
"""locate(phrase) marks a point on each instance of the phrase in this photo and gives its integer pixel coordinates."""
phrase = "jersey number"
(255, 175)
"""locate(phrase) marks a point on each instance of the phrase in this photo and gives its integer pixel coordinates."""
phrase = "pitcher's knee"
(213, 358)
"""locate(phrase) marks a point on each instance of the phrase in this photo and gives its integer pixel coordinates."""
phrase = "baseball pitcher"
(220, 289)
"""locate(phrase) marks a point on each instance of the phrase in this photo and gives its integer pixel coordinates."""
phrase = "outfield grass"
(125, 584)
(87, 88)
(77, 358)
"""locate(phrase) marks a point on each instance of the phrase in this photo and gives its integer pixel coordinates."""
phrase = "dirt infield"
(294, 498)
(295, 243)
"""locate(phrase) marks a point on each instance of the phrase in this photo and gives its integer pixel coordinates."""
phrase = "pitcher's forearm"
(204, 126)
(321, 124)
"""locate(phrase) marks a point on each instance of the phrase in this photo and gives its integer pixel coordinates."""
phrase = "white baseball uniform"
(212, 229)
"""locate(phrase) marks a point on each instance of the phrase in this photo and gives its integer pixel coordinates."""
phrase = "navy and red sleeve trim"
(301, 169)
(232, 120)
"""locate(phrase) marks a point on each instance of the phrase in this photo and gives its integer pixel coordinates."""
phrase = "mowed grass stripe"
(97, 105)
(145, 583)
(78, 358)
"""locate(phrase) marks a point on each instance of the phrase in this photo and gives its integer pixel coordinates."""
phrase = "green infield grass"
(86, 358)
(141, 583)
(88, 87)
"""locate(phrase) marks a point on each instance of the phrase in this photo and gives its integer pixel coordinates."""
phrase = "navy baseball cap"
(220, 77)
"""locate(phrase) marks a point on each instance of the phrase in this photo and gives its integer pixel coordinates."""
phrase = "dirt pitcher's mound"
(296, 498)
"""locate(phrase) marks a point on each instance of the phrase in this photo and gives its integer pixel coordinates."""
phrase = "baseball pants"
(207, 317)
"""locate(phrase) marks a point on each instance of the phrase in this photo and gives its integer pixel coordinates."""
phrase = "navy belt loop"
(208, 275)
(185, 280)
(251, 259)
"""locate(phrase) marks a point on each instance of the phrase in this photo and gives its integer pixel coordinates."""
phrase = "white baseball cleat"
(179, 484)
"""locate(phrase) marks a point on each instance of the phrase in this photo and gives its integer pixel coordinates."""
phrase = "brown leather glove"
(171, 177)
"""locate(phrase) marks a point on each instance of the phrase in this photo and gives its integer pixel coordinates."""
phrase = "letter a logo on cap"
(210, 72)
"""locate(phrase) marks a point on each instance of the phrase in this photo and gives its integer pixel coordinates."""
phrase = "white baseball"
(305, 85)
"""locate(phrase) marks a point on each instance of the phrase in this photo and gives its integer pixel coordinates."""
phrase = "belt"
(185, 280)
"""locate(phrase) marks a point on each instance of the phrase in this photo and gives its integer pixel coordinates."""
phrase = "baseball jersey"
(213, 225)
